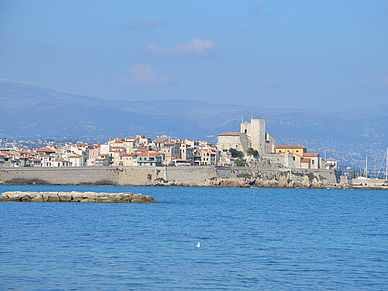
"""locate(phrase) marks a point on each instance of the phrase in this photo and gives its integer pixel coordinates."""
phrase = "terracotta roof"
(147, 154)
(230, 134)
(75, 157)
(306, 160)
(128, 155)
(289, 147)
(161, 139)
(45, 150)
(311, 155)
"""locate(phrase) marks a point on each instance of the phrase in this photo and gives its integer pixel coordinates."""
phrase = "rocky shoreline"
(306, 183)
(18, 196)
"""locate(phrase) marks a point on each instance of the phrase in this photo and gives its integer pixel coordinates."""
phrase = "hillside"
(31, 112)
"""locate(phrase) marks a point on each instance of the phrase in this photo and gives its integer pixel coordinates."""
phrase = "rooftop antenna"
(252, 114)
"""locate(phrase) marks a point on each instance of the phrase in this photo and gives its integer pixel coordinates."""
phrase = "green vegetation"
(311, 177)
(240, 163)
(244, 175)
(236, 154)
(252, 152)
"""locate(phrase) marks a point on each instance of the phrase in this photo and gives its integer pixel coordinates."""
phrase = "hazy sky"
(322, 55)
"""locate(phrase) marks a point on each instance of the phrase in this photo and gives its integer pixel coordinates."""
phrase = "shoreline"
(184, 185)
(199, 176)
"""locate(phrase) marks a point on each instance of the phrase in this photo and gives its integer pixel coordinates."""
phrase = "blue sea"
(251, 239)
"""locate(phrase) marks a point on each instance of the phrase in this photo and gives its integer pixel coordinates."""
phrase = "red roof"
(128, 155)
(45, 150)
(306, 160)
(147, 154)
(311, 155)
(289, 147)
(75, 156)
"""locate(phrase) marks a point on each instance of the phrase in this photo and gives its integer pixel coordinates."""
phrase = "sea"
(250, 239)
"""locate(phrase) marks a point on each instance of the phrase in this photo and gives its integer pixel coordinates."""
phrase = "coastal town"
(251, 146)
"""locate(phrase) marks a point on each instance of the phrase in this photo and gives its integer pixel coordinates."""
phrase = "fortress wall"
(148, 176)
(273, 160)
(60, 176)
(140, 176)
(190, 175)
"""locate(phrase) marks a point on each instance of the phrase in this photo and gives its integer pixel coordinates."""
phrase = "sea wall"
(61, 176)
(149, 176)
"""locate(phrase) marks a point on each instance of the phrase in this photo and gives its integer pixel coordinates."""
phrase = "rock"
(75, 197)
(306, 182)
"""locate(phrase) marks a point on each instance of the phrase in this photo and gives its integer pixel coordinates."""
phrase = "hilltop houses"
(251, 145)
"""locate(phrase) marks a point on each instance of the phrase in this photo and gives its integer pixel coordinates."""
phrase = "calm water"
(251, 239)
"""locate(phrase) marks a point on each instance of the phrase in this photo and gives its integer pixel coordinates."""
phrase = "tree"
(252, 152)
(236, 154)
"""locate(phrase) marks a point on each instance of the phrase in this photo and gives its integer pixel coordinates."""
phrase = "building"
(93, 155)
(149, 159)
(103, 160)
(233, 140)
(255, 130)
(293, 149)
(270, 144)
(160, 141)
(331, 164)
(129, 160)
(171, 151)
(315, 160)
(207, 158)
(77, 160)
(301, 159)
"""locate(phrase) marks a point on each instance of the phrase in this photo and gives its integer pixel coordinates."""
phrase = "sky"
(314, 55)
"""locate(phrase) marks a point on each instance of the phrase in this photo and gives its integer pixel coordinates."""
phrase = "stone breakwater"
(18, 196)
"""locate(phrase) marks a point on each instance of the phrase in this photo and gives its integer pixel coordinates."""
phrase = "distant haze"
(32, 112)
(304, 55)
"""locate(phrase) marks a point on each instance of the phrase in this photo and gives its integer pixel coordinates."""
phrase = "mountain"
(31, 112)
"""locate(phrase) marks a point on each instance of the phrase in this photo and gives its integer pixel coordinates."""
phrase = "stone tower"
(255, 129)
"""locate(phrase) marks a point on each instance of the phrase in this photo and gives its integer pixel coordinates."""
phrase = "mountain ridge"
(29, 111)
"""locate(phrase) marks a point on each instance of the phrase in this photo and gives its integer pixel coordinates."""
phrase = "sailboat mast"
(366, 167)
(386, 166)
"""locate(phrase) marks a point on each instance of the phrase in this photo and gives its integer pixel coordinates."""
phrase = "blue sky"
(319, 55)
